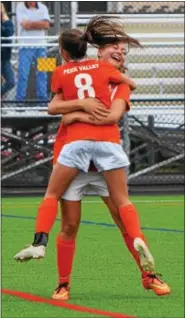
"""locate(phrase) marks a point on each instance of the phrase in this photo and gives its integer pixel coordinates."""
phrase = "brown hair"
(72, 42)
(102, 30)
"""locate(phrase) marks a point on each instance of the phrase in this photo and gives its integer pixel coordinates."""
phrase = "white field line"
(99, 201)
(142, 201)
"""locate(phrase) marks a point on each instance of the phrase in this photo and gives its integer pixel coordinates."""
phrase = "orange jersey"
(121, 91)
(118, 92)
(59, 142)
(83, 79)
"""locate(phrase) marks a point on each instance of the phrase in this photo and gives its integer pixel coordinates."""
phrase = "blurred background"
(152, 133)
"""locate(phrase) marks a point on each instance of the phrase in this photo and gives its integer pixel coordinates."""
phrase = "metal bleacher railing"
(159, 65)
(128, 7)
(153, 138)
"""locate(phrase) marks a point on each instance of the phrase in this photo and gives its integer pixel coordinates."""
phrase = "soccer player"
(71, 200)
(71, 203)
(113, 161)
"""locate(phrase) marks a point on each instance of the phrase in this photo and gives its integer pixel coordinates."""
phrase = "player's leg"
(73, 157)
(149, 280)
(117, 184)
(111, 163)
(114, 213)
(127, 239)
(60, 179)
(98, 184)
(65, 246)
(70, 221)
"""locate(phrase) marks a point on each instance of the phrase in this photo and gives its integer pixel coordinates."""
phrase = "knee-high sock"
(130, 220)
(46, 216)
(130, 245)
(65, 256)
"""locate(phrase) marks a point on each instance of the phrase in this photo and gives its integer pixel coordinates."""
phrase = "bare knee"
(120, 200)
(70, 230)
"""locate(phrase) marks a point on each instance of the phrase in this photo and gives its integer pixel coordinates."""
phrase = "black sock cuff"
(40, 238)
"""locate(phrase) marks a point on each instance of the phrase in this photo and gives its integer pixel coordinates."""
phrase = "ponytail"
(102, 30)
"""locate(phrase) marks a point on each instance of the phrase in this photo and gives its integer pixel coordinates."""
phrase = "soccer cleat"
(62, 292)
(30, 252)
(146, 258)
(154, 282)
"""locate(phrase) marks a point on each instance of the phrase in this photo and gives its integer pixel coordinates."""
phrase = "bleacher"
(156, 7)
(128, 7)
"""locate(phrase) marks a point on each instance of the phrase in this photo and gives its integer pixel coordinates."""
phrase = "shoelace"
(156, 276)
(60, 286)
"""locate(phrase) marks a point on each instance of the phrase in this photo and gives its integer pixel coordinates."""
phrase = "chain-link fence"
(152, 133)
(146, 7)
(155, 145)
(59, 21)
(157, 70)
(128, 7)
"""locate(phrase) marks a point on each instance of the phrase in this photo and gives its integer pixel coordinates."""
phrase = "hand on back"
(94, 107)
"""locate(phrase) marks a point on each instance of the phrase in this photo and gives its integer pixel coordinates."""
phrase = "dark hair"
(26, 4)
(72, 42)
(102, 30)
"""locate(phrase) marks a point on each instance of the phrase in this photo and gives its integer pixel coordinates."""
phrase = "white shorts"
(104, 155)
(92, 181)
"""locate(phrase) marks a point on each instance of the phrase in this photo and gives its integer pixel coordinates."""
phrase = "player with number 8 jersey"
(83, 79)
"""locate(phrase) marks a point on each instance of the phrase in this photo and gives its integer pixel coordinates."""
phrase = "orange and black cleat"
(62, 292)
(154, 282)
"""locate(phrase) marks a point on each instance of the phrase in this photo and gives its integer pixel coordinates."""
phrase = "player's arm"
(117, 109)
(128, 81)
(89, 105)
(124, 79)
(59, 106)
(120, 104)
(117, 77)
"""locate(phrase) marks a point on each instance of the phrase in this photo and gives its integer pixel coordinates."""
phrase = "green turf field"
(104, 276)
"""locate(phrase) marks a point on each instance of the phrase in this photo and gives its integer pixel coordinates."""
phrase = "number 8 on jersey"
(83, 82)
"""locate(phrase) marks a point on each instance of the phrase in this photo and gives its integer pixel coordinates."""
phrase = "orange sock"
(130, 219)
(46, 216)
(129, 243)
(65, 256)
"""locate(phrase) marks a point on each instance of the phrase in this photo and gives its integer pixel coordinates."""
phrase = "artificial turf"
(104, 275)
